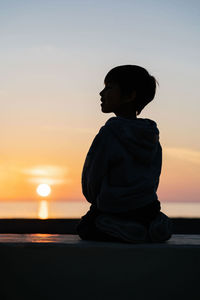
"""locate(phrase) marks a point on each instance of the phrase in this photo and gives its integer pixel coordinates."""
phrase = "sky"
(54, 56)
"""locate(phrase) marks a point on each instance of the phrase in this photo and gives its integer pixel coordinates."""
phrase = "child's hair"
(130, 78)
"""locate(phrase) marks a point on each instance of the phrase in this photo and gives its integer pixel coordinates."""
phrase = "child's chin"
(104, 110)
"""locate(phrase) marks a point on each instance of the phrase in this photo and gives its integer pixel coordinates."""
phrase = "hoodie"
(123, 165)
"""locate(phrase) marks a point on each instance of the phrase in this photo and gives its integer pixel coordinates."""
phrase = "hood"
(140, 137)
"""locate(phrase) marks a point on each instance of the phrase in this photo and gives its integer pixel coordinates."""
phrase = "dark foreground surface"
(47, 266)
(68, 226)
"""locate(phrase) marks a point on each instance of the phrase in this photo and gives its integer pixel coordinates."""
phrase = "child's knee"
(84, 230)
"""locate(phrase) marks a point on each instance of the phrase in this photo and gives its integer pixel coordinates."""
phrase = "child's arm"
(96, 165)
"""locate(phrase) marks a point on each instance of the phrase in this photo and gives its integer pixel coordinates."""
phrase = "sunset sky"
(54, 56)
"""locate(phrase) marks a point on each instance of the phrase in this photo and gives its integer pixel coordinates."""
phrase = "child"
(122, 168)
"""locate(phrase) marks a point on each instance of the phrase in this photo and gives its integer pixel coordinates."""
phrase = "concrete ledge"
(46, 266)
(72, 240)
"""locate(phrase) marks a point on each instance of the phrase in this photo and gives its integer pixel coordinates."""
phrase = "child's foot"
(160, 228)
(126, 230)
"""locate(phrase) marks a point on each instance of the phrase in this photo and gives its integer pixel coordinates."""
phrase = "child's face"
(112, 100)
(110, 97)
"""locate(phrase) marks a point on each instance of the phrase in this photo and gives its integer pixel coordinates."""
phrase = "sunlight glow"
(43, 190)
(185, 154)
(43, 210)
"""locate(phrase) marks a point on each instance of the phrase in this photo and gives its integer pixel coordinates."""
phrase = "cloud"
(185, 154)
(46, 170)
(49, 174)
(50, 181)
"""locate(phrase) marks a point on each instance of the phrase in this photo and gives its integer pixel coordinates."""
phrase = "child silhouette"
(121, 172)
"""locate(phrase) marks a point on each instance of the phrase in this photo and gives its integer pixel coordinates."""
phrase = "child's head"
(127, 87)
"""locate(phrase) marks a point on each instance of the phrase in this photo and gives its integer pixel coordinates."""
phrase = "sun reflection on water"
(43, 210)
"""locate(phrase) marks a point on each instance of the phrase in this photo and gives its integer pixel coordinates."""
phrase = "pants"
(87, 229)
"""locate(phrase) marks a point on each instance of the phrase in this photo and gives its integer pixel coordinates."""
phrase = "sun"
(43, 190)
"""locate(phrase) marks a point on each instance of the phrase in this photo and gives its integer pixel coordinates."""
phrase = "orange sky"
(20, 176)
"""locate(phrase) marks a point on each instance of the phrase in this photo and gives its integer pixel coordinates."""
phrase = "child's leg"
(87, 229)
(161, 228)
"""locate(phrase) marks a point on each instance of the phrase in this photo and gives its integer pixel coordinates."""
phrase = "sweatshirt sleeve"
(96, 165)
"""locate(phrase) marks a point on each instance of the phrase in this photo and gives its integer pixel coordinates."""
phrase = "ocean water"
(46, 209)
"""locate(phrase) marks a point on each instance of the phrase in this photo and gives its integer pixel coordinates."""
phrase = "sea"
(75, 209)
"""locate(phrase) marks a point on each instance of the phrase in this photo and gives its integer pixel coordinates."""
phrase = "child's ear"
(131, 97)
